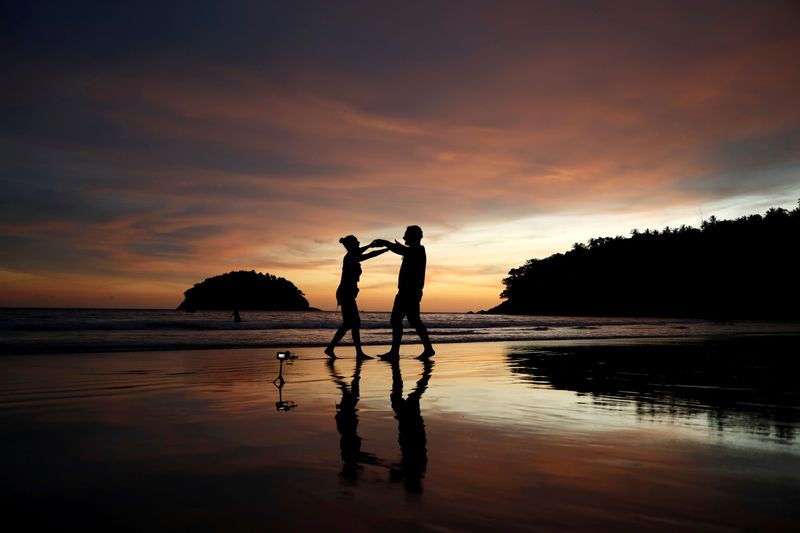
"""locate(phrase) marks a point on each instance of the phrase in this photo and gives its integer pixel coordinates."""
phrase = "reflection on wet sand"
(410, 470)
(347, 423)
(181, 441)
(410, 428)
(745, 383)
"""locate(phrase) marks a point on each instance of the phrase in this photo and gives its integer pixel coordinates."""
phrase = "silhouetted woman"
(347, 292)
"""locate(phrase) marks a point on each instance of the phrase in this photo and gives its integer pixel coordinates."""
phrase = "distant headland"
(245, 291)
(728, 269)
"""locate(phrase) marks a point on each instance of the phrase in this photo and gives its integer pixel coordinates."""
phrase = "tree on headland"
(726, 269)
(244, 291)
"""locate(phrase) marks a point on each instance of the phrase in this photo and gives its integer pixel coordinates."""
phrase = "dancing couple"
(410, 283)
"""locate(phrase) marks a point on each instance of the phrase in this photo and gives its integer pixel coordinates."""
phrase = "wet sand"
(697, 434)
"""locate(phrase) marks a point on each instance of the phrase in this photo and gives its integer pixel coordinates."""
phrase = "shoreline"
(789, 337)
(53, 332)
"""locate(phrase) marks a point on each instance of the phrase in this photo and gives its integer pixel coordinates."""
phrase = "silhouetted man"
(410, 282)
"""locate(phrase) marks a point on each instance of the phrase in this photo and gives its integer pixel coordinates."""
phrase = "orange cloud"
(627, 118)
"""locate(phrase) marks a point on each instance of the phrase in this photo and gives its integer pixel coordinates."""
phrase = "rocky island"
(245, 291)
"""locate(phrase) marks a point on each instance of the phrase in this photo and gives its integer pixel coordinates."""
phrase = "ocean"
(114, 330)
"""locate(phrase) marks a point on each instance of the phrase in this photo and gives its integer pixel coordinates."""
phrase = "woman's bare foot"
(329, 353)
(363, 357)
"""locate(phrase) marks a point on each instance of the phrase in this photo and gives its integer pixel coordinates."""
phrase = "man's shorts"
(407, 303)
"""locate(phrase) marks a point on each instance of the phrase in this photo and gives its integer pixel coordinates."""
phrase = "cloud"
(224, 144)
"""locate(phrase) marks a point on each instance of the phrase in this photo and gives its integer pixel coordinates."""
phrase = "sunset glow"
(147, 148)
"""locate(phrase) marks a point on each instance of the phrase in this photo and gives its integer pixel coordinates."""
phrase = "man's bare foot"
(427, 354)
(363, 357)
(389, 356)
(329, 353)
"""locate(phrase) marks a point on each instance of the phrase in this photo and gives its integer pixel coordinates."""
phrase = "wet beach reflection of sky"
(485, 437)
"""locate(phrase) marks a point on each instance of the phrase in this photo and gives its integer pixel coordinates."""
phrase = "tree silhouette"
(743, 268)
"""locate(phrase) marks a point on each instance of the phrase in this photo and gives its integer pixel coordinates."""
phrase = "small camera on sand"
(282, 356)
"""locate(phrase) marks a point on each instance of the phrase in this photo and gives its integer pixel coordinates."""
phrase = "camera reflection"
(280, 381)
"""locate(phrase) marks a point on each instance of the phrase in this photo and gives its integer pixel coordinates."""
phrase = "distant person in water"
(235, 315)
(347, 292)
(410, 282)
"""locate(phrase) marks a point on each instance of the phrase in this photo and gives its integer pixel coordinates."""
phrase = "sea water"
(113, 330)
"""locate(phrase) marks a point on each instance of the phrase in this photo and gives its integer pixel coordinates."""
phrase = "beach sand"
(676, 434)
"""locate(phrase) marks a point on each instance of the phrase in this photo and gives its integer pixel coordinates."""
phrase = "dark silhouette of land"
(745, 382)
(245, 291)
(728, 269)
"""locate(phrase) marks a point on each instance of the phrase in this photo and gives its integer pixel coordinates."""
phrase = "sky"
(146, 146)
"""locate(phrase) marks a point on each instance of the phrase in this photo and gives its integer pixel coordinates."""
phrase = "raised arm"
(364, 257)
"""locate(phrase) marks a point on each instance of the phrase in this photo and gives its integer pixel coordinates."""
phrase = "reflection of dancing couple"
(410, 283)
(410, 427)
